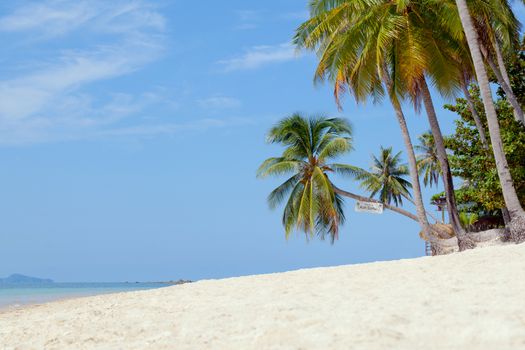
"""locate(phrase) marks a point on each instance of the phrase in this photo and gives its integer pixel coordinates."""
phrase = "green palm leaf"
(312, 205)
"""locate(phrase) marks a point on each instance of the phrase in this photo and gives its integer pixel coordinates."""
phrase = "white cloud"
(56, 17)
(259, 56)
(219, 102)
(296, 16)
(79, 116)
(47, 100)
(252, 19)
(174, 128)
(31, 93)
(51, 17)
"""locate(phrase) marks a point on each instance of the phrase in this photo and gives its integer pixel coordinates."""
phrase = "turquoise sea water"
(12, 296)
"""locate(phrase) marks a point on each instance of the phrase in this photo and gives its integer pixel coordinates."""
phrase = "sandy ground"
(472, 300)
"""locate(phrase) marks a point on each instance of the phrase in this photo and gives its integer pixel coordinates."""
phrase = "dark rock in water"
(181, 281)
(21, 279)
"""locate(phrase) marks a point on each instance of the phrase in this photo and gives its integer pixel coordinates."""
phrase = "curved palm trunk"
(518, 112)
(501, 62)
(412, 167)
(517, 215)
(475, 115)
(463, 240)
(389, 207)
(368, 199)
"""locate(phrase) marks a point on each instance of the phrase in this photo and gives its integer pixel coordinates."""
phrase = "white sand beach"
(472, 300)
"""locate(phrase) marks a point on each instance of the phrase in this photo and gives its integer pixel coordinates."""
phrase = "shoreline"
(68, 290)
(409, 304)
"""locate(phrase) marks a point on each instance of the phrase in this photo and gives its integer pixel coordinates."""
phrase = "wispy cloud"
(252, 19)
(60, 17)
(49, 99)
(26, 95)
(50, 17)
(248, 19)
(259, 56)
(295, 16)
(219, 102)
(198, 125)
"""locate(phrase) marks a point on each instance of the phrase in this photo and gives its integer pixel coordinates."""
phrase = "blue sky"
(130, 132)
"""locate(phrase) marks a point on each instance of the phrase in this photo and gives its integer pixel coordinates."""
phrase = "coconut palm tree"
(363, 45)
(386, 178)
(517, 215)
(432, 56)
(313, 203)
(497, 27)
(312, 206)
(427, 161)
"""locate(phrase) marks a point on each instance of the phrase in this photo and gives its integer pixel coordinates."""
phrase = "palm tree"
(313, 203)
(496, 25)
(312, 206)
(432, 55)
(369, 45)
(427, 160)
(386, 178)
(468, 219)
(517, 215)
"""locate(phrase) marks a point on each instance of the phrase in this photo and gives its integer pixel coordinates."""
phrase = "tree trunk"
(412, 167)
(463, 240)
(517, 224)
(389, 207)
(518, 112)
(506, 220)
(372, 200)
(501, 62)
(475, 115)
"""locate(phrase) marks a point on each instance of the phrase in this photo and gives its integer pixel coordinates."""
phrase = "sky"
(131, 131)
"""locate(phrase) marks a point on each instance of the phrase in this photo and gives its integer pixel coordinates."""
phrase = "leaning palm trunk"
(463, 240)
(435, 229)
(475, 115)
(518, 112)
(517, 215)
(501, 63)
(412, 167)
(371, 200)
(412, 162)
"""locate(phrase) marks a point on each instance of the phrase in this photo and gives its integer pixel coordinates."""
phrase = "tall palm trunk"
(412, 165)
(518, 112)
(463, 240)
(475, 115)
(517, 224)
(501, 62)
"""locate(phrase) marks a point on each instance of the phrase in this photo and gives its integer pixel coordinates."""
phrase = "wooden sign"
(369, 207)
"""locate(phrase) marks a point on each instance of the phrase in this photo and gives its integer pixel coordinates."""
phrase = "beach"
(469, 300)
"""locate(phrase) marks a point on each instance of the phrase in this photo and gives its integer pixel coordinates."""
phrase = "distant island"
(22, 279)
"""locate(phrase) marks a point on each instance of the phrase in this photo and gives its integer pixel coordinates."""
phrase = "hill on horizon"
(17, 278)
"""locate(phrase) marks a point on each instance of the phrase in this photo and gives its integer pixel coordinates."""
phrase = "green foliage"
(427, 160)
(312, 205)
(386, 178)
(467, 219)
(469, 161)
(363, 43)
(516, 71)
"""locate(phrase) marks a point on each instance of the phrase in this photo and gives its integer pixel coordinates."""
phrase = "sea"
(18, 295)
